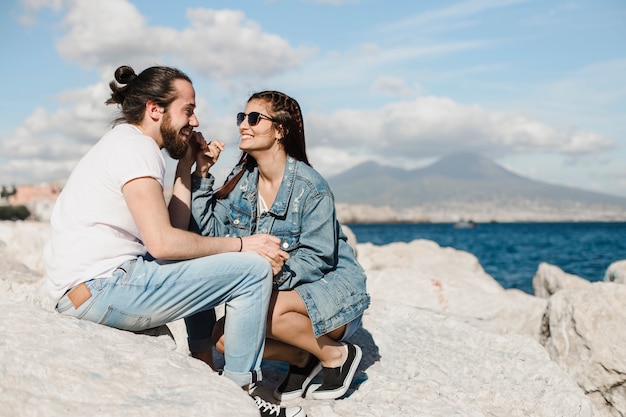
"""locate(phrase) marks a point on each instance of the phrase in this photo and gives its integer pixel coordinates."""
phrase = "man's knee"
(258, 269)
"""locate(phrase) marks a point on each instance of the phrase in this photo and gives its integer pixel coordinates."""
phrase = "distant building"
(39, 199)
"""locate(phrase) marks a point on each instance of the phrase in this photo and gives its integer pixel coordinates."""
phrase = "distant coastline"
(483, 212)
(41, 198)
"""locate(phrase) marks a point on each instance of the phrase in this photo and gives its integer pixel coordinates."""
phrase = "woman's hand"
(206, 154)
(267, 246)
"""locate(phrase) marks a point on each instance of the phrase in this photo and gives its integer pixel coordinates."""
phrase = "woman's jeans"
(143, 294)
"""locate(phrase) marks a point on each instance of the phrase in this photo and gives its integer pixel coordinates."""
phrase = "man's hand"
(195, 142)
(267, 246)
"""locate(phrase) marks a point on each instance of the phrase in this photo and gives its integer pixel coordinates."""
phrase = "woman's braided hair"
(287, 117)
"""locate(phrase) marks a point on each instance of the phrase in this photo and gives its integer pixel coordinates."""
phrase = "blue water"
(511, 252)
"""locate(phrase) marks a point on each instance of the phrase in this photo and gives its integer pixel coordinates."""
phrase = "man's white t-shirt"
(92, 230)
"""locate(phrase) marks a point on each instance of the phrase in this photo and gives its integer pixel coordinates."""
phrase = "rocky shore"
(441, 338)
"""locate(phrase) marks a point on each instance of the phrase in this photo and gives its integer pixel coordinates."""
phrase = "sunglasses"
(254, 117)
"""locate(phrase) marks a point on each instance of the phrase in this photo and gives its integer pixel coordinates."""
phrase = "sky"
(538, 86)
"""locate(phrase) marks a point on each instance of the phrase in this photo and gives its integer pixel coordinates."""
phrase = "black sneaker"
(297, 380)
(336, 381)
(268, 409)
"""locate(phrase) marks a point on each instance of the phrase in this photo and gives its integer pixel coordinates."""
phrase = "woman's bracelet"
(240, 244)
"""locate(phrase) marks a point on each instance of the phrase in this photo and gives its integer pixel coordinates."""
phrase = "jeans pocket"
(125, 321)
(65, 306)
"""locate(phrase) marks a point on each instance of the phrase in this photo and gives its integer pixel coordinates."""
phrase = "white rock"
(616, 272)
(448, 281)
(550, 278)
(584, 334)
(441, 338)
(52, 365)
(24, 242)
(432, 364)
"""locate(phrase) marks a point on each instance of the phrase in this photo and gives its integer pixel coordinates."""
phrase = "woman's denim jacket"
(322, 266)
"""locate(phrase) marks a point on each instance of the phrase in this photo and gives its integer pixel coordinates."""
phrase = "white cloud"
(31, 7)
(47, 145)
(330, 160)
(224, 43)
(225, 46)
(586, 142)
(35, 170)
(393, 86)
(100, 32)
(401, 132)
(217, 44)
(336, 2)
(458, 10)
(434, 126)
(409, 52)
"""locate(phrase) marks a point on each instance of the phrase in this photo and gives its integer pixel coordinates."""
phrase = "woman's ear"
(279, 134)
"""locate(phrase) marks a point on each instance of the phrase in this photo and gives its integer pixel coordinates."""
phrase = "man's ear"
(154, 110)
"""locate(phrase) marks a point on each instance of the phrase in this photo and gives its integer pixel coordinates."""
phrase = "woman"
(319, 295)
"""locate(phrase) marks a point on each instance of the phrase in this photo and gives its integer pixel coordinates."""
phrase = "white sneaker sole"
(336, 393)
(292, 395)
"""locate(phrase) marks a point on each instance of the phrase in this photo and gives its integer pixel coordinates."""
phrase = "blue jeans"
(143, 294)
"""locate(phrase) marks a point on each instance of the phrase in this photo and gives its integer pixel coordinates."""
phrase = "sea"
(512, 252)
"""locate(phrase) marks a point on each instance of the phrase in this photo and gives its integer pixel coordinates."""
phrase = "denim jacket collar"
(279, 207)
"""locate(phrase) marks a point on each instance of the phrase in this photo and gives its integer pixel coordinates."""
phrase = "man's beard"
(175, 147)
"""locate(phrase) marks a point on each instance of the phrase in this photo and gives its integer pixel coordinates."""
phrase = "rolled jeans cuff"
(245, 378)
(200, 345)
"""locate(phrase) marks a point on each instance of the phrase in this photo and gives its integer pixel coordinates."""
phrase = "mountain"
(466, 166)
(456, 178)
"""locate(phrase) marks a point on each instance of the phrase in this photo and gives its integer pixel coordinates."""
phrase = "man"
(119, 256)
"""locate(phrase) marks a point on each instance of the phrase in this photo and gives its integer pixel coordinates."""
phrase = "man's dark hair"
(134, 91)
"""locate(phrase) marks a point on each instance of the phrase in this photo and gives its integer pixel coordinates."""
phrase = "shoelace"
(267, 406)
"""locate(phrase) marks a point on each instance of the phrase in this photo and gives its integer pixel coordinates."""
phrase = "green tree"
(14, 213)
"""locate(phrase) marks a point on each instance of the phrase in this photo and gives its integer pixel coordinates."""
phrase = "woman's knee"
(338, 333)
(285, 302)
